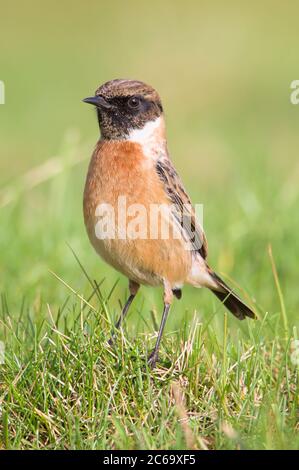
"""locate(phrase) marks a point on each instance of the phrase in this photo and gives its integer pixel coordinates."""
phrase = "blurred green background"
(223, 70)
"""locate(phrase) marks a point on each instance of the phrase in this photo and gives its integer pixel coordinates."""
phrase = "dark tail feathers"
(232, 302)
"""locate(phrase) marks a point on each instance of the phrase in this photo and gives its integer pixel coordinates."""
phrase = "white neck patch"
(142, 136)
(149, 137)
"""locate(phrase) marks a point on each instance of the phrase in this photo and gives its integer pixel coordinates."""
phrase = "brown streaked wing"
(178, 196)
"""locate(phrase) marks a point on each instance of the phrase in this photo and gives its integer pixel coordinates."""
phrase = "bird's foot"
(111, 341)
(152, 360)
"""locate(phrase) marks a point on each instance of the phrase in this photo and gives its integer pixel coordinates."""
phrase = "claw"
(111, 341)
(152, 360)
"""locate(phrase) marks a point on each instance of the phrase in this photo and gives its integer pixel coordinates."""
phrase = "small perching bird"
(129, 175)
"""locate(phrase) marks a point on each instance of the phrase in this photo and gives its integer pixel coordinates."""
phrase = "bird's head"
(125, 106)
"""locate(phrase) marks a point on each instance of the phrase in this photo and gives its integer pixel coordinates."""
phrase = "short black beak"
(98, 101)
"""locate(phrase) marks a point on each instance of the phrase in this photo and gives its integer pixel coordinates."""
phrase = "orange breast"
(120, 170)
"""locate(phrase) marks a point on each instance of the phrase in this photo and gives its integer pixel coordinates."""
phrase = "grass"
(224, 75)
(64, 387)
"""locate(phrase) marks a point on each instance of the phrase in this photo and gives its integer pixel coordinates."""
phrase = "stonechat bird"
(131, 172)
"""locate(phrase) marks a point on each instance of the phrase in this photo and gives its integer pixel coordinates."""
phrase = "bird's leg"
(168, 297)
(133, 288)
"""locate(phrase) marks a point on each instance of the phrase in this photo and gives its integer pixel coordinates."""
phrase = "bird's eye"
(134, 102)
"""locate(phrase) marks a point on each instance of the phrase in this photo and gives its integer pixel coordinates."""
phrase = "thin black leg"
(124, 311)
(121, 318)
(154, 354)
